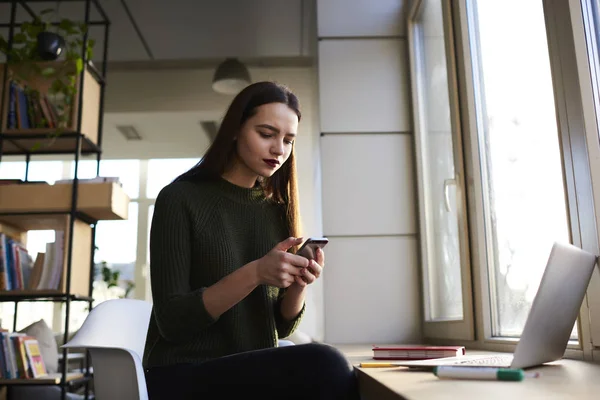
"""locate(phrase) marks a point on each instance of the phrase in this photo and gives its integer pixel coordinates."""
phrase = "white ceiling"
(192, 29)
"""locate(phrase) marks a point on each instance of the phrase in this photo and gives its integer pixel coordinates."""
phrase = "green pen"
(482, 373)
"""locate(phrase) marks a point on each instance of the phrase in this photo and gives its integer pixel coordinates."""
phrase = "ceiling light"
(230, 77)
(129, 132)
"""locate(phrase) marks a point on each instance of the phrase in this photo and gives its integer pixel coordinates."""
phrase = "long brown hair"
(282, 187)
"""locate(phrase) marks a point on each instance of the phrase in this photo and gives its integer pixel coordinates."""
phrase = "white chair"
(115, 333)
(284, 343)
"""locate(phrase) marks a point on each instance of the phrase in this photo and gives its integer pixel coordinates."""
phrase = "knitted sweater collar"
(238, 193)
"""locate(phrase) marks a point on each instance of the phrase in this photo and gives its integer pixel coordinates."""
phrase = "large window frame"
(460, 328)
(566, 25)
(586, 28)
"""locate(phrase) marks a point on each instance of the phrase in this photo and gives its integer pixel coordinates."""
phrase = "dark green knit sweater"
(200, 233)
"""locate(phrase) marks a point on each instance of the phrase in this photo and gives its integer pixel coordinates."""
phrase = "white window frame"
(460, 329)
(581, 163)
(587, 57)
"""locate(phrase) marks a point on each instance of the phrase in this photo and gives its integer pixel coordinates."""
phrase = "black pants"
(309, 371)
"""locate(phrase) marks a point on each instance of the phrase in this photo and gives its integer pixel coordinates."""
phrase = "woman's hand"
(280, 268)
(313, 271)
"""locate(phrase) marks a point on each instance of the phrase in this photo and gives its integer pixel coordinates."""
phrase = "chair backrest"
(115, 333)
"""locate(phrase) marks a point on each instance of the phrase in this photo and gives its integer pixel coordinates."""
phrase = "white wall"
(169, 101)
(369, 201)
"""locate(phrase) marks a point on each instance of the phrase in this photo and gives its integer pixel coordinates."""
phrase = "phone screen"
(309, 248)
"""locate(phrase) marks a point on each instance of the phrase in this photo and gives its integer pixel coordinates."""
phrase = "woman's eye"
(265, 135)
(289, 141)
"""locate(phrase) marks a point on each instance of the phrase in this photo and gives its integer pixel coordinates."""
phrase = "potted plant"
(52, 53)
(111, 285)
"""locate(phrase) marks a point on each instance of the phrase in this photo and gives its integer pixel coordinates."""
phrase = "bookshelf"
(72, 208)
(89, 84)
(43, 140)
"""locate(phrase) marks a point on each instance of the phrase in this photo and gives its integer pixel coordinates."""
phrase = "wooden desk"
(563, 379)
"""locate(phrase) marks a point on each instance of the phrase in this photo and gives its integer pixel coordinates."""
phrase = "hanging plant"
(51, 54)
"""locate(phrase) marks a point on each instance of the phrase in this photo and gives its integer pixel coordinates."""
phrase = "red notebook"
(416, 352)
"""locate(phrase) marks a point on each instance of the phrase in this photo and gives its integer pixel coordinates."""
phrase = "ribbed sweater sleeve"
(286, 327)
(179, 312)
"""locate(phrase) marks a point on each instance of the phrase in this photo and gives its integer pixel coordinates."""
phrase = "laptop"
(545, 335)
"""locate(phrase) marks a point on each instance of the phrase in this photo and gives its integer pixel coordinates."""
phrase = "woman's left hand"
(313, 271)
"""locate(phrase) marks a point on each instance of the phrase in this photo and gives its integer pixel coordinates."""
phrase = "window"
(128, 172)
(532, 161)
(116, 241)
(162, 171)
(447, 288)
(12, 170)
(591, 10)
(520, 158)
(48, 171)
(591, 26)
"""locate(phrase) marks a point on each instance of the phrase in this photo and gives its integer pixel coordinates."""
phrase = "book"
(34, 356)
(416, 352)
(23, 367)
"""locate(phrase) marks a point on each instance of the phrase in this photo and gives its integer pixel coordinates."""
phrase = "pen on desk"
(482, 373)
(377, 365)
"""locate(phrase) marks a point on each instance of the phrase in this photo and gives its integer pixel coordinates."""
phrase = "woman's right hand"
(278, 267)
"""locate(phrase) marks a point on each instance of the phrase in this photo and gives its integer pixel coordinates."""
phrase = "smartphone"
(309, 247)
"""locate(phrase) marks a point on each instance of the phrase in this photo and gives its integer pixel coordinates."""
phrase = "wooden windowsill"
(563, 379)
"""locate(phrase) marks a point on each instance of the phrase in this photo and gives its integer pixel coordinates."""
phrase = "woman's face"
(266, 140)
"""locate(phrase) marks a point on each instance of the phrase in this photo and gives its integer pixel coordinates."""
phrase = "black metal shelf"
(52, 380)
(79, 381)
(44, 141)
(96, 73)
(40, 296)
(38, 220)
(45, 1)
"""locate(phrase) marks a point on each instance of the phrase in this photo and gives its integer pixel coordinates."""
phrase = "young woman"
(225, 281)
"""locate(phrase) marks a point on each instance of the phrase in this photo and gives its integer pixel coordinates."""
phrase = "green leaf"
(19, 38)
(68, 26)
(79, 65)
(3, 45)
(32, 30)
(48, 71)
(56, 87)
(72, 55)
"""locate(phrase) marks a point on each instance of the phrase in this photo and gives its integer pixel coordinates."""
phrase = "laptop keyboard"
(491, 361)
